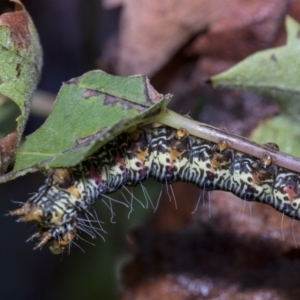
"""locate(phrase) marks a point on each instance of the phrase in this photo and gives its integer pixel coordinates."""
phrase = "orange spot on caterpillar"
(174, 154)
(28, 213)
(220, 157)
(142, 155)
(60, 176)
(44, 238)
(58, 247)
(256, 178)
(74, 192)
(215, 163)
(267, 161)
(181, 133)
(222, 146)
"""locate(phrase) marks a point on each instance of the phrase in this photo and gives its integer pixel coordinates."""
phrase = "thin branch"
(237, 142)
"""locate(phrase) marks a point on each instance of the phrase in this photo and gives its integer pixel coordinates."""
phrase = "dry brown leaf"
(227, 252)
(17, 22)
(8, 147)
(152, 31)
(21, 63)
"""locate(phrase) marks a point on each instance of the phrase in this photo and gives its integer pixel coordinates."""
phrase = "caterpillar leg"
(56, 246)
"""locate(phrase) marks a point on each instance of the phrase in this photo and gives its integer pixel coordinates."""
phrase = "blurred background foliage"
(178, 44)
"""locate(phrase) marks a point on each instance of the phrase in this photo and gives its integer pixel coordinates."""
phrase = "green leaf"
(89, 111)
(9, 111)
(274, 72)
(21, 63)
(280, 130)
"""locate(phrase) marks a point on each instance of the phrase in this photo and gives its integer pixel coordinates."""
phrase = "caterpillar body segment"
(165, 154)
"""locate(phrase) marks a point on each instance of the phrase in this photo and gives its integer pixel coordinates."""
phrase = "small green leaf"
(274, 72)
(280, 130)
(21, 63)
(89, 111)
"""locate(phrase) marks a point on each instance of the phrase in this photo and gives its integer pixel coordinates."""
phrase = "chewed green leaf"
(280, 130)
(21, 63)
(274, 72)
(89, 111)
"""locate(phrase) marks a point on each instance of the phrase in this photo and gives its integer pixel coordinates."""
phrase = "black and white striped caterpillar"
(167, 155)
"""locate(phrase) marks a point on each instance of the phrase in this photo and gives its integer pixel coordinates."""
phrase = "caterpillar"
(165, 154)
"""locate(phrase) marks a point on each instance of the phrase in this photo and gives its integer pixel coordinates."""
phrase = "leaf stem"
(210, 133)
